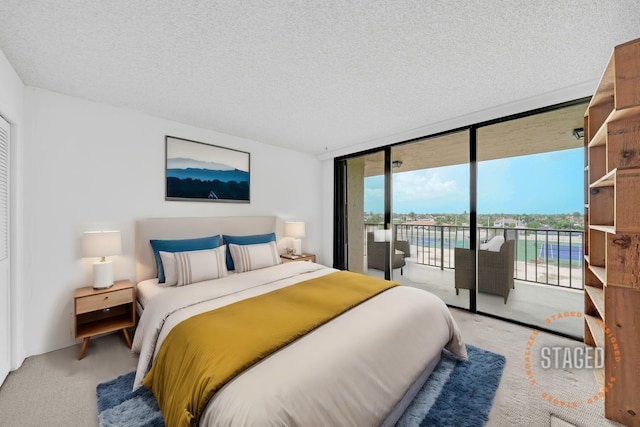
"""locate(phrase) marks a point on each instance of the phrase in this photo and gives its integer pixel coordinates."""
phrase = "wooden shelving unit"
(612, 232)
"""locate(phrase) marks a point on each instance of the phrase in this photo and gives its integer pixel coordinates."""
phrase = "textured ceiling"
(317, 77)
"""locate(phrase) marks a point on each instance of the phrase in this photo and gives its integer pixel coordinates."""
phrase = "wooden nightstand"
(302, 257)
(97, 311)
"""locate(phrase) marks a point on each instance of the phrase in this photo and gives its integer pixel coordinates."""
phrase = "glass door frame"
(388, 215)
(473, 212)
(340, 220)
(340, 247)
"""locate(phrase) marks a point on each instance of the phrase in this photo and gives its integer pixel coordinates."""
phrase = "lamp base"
(102, 275)
(297, 246)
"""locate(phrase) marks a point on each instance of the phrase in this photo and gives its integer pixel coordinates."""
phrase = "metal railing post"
(441, 248)
(418, 233)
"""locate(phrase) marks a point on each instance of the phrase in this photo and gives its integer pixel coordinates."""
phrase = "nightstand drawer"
(105, 300)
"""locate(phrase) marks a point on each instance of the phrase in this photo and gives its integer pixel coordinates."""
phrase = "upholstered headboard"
(188, 228)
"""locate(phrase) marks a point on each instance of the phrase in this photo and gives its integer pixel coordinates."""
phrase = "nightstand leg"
(127, 338)
(85, 344)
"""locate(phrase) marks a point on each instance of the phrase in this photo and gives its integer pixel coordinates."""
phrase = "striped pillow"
(196, 266)
(254, 257)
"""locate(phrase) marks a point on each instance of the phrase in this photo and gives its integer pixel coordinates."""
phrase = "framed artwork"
(197, 171)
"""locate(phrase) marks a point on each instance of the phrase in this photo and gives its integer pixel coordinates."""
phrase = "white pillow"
(493, 245)
(253, 257)
(184, 268)
(170, 269)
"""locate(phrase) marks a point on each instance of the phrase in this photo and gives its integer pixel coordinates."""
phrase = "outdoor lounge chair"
(376, 251)
(495, 270)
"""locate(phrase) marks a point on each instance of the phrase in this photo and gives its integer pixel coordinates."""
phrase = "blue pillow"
(245, 240)
(183, 245)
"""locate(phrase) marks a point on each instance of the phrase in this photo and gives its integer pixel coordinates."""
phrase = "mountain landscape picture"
(199, 171)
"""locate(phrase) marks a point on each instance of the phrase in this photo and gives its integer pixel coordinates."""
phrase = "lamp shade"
(294, 229)
(101, 243)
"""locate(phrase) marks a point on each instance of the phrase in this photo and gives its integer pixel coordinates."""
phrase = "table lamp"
(296, 231)
(101, 244)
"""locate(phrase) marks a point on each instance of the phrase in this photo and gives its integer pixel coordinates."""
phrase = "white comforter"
(351, 371)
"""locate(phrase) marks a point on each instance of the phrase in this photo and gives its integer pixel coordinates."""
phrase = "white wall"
(12, 109)
(326, 214)
(90, 166)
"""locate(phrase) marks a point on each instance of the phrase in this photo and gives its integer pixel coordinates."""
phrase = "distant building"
(427, 221)
(509, 222)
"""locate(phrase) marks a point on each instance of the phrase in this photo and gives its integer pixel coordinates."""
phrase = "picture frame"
(197, 171)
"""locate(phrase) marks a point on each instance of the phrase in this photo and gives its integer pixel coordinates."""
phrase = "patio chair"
(495, 270)
(376, 252)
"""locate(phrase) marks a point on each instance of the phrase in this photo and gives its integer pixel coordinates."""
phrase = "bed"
(361, 368)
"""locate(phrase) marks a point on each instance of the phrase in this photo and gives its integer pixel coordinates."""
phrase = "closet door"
(5, 314)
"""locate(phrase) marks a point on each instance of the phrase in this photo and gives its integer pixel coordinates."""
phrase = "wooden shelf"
(600, 272)
(604, 228)
(624, 114)
(598, 163)
(626, 78)
(607, 180)
(596, 330)
(600, 137)
(613, 200)
(108, 325)
(597, 298)
(604, 92)
(612, 232)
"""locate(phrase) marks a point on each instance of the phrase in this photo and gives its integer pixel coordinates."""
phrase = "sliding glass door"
(530, 202)
(431, 207)
(406, 210)
(368, 244)
(488, 218)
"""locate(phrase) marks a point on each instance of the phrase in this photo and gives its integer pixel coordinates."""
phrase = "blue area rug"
(458, 393)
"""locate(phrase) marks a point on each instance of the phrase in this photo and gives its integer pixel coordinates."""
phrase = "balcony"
(548, 271)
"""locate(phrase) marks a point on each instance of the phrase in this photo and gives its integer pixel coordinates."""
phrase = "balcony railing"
(548, 257)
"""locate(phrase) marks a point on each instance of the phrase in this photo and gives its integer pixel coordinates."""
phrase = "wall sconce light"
(101, 244)
(578, 133)
(396, 163)
(296, 231)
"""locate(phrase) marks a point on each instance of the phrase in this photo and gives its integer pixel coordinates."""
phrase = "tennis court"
(560, 251)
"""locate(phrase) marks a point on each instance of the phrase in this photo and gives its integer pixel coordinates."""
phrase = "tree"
(534, 224)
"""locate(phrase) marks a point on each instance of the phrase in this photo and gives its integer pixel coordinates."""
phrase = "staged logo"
(539, 358)
(571, 358)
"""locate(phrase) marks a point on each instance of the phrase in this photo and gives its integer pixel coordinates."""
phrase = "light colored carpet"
(557, 422)
(55, 389)
(517, 402)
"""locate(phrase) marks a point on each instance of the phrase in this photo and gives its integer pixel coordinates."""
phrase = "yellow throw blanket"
(203, 353)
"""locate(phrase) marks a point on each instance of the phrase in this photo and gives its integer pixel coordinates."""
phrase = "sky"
(546, 183)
